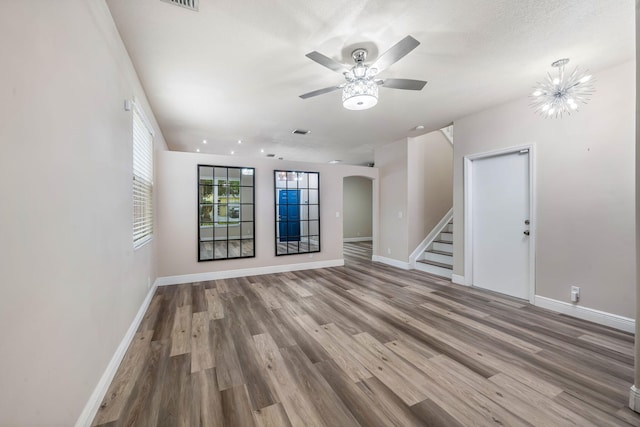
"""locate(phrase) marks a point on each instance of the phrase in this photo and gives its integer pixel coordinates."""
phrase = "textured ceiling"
(234, 70)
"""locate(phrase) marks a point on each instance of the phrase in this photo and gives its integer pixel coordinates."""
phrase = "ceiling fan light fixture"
(360, 94)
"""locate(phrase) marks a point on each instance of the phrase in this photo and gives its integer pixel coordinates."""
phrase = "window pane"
(234, 174)
(247, 248)
(246, 229)
(246, 212)
(206, 233)
(314, 243)
(314, 227)
(234, 248)
(220, 250)
(234, 231)
(247, 177)
(206, 251)
(313, 212)
(221, 232)
(246, 194)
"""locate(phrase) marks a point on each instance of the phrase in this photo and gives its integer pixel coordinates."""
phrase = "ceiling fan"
(360, 90)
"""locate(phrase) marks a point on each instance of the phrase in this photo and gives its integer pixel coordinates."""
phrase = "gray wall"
(358, 208)
(71, 281)
(416, 192)
(177, 204)
(430, 178)
(391, 160)
(585, 196)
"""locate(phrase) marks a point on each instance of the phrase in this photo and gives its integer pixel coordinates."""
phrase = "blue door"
(289, 212)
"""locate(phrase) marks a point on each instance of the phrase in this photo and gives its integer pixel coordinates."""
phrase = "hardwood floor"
(365, 344)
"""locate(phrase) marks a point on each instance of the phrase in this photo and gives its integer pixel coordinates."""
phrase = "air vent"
(271, 155)
(301, 131)
(187, 4)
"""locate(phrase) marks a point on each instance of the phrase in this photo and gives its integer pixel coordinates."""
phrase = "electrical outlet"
(388, 251)
(148, 282)
(575, 293)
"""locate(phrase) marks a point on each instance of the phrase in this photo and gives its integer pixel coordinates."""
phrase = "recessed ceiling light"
(239, 141)
(197, 150)
(419, 127)
(204, 141)
(262, 150)
(233, 152)
(334, 161)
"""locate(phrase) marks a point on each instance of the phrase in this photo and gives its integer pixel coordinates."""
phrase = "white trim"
(244, 272)
(634, 399)
(430, 238)
(392, 262)
(458, 280)
(357, 239)
(95, 400)
(468, 214)
(585, 313)
(445, 131)
(138, 107)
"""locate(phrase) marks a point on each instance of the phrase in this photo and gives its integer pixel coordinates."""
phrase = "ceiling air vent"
(300, 131)
(187, 4)
(271, 155)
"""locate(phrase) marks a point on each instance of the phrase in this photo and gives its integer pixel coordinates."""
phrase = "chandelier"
(555, 96)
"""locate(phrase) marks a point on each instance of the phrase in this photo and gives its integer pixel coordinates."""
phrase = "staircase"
(438, 257)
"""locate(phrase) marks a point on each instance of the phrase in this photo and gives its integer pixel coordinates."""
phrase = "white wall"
(71, 282)
(430, 188)
(358, 208)
(177, 207)
(585, 189)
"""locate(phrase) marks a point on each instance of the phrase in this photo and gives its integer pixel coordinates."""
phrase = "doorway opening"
(357, 217)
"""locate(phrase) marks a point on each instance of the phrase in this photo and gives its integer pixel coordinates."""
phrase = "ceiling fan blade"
(406, 84)
(320, 91)
(327, 62)
(395, 53)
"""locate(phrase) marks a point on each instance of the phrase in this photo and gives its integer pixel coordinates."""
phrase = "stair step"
(445, 236)
(438, 252)
(443, 246)
(437, 264)
(438, 256)
(434, 269)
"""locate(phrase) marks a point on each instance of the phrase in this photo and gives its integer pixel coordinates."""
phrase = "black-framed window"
(297, 202)
(226, 212)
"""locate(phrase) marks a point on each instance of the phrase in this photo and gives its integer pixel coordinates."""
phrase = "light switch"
(337, 214)
(399, 214)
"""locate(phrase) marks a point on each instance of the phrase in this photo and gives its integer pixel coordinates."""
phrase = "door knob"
(526, 232)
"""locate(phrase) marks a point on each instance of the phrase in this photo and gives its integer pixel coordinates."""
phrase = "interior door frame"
(468, 212)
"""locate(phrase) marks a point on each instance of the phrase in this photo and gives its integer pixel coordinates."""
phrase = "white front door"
(500, 214)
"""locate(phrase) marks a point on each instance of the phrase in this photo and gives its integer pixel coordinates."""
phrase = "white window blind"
(142, 181)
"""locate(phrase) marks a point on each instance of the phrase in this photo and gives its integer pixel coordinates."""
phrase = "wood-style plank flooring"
(364, 345)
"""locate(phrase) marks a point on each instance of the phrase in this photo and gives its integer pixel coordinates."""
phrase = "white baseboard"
(430, 238)
(634, 399)
(95, 400)
(357, 239)
(596, 316)
(458, 280)
(244, 272)
(392, 262)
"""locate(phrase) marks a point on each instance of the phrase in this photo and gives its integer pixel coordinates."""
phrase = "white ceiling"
(234, 70)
